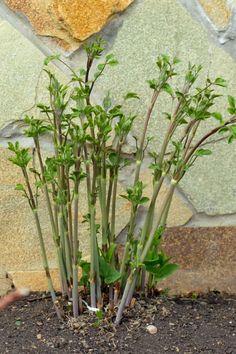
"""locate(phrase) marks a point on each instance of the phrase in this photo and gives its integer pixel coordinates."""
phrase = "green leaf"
(110, 56)
(49, 58)
(176, 60)
(166, 271)
(114, 159)
(167, 115)
(19, 187)
(153, 84)
(130, 95)
(152, 262)
(218, 116)
(223, 130)
(231, 101)
(220, 82)
(85, 266)
(107, 102)
(144, 200)
(82, 72)
(101, 67)
(232, 110)
(113, 62)
(232, 106)
(124, 196)
(231, 138)
(107, 272)
(110, 252)
(99, 314)
(168, 89)
(203, 152)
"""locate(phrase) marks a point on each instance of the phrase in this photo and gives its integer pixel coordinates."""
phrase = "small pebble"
(151, 329)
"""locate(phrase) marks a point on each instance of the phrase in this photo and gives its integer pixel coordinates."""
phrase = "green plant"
(81, 133)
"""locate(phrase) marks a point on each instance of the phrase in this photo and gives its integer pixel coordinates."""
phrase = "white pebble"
(152, 329)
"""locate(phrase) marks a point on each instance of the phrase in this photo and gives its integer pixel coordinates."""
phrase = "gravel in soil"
(184, 325)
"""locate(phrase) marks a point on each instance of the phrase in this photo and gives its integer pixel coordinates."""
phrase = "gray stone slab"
(22, 81)
(153, 27)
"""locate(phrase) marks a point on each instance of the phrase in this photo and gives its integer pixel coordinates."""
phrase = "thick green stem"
(130, 284)
(144, 132)
(75, 292)
(45, 265)
(103, 206)
(124, 262)
(75, 239)
(41, 242)
(69, 212)
(113, 207)
(147, 227)
(130, 281)
(166, 201)
(95, 281)
(56, 237)
(130, 233)
(109, 193)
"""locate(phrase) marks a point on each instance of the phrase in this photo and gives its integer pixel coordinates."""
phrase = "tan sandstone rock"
(218, 11)
(70, 22)
(5, 283)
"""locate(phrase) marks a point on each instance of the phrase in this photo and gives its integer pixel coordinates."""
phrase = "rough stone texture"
(22, 81)
(218, 11)
(179, 213)
(71, 22)
(5, 283)
(176, 33)
(20, 250)
(34, 280)
(18, 237)
(206, 256)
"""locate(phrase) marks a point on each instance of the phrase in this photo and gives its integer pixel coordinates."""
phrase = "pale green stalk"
(144, 131)
(102, 192)
(56, 236)
(75, 291)
(113, 205)
(131, 281)
(41, 242)
(166, 202)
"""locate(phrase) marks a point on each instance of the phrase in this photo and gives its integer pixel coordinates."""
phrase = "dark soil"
(184, 325)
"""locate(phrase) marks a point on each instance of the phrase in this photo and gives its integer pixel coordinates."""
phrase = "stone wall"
(202, 222)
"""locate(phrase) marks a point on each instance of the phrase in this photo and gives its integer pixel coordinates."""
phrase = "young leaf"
(232, 105)
(49, 58)
(152, 262)
(101, 66)
(107, 102)
(203, 152)
(107, 272)
(166, 271)
(130, 95)
(231, 101)
(153, 84)
(220, 82)
(168, 89)
(218, 116)
(19, 187)
(144, 200)
(176, 60)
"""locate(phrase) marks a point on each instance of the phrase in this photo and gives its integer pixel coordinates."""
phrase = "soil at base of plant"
(184, 325)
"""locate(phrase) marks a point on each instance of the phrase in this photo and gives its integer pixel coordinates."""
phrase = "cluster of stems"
(88, 142)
